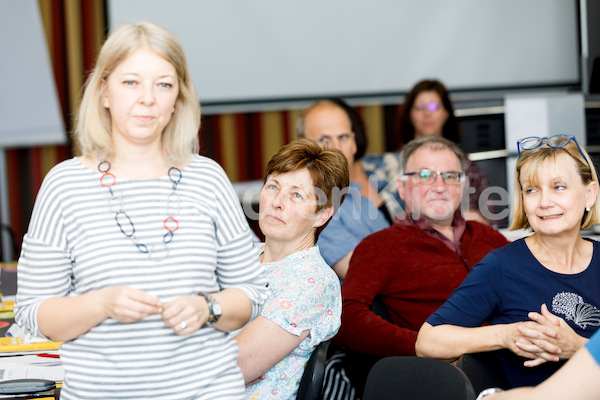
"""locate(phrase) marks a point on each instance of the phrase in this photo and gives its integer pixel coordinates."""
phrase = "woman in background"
(138, 256)
(428, 111)
(301, 192)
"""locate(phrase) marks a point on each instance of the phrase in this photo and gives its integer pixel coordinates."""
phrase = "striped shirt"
(74, 245)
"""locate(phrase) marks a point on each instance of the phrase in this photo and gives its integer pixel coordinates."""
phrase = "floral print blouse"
(305, 295)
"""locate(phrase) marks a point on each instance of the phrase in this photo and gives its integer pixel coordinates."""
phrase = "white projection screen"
(30, 112)
(272, 50)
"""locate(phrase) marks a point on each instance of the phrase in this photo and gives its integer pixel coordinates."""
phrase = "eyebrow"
(160, 77)
(554, 179)
(327, 135)
(444, 170)
(293, 186)
(299, 187)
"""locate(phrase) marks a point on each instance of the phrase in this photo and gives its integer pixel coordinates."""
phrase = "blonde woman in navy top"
(539, 295)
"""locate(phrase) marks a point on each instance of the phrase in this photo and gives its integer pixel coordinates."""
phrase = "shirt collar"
(458, 226)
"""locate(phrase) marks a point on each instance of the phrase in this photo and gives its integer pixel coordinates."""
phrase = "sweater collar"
(458, 225)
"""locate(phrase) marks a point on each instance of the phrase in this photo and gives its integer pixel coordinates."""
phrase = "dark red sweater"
(413, 273)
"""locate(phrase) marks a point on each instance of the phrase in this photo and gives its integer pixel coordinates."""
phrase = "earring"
(587, 209)
(105, 104)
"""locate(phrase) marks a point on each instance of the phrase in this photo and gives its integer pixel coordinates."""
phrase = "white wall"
(29, 107)
(278, 50)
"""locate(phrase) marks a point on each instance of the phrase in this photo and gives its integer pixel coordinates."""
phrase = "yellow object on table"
(7, 305)
(19, 344)
(8, 264)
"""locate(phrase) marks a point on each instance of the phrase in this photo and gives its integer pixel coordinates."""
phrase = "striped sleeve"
(44, 268)
(237, 257)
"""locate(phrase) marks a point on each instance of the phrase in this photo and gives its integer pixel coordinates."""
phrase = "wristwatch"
(489, 391)
(214, 309)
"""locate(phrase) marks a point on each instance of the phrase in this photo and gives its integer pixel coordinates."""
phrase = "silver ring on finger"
(183, 325)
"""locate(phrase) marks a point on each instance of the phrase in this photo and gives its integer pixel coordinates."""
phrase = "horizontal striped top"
(74, 245)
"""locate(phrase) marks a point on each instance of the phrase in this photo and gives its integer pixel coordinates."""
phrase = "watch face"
(488, 391)
(217, 311)
(214, 309)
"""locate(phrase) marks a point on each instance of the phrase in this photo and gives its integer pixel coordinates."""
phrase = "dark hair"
(356, 123)
(328, 169)
(407, 129)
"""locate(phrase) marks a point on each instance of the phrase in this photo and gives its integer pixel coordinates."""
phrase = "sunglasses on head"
(556, 142)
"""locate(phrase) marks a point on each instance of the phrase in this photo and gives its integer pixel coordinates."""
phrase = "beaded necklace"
(125, 223)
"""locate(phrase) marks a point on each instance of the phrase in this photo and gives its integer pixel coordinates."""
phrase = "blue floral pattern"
(305, 295)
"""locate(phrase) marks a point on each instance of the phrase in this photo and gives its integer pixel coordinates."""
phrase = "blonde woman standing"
(138, 256)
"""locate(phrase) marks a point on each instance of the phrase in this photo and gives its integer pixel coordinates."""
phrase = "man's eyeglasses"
(556, 142)
(433, 106)
(428, 177)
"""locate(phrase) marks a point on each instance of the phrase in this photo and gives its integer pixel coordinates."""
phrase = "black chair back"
(12, 252)
(483, 370)
(416, 378)
(311, 384)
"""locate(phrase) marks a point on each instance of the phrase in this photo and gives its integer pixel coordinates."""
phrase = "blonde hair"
(536, 158)
(92, 125)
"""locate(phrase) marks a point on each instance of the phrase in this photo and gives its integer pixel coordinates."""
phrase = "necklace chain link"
(124, 221)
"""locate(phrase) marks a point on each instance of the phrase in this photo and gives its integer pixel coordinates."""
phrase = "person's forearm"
(576, 380)
(236, 309)
(580, 341)
(448, 342)
(65, 318)
(392, 341)
(341, 266)
(525, 393)
(364, 331)
(262, 345)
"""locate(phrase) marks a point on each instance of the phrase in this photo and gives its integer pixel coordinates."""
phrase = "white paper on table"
(31, 359)
(15, 371)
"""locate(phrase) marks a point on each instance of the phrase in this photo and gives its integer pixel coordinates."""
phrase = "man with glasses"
(413, 266)
(333, 123)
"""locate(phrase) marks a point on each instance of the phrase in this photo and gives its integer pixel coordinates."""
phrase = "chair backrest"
(12, 252)
(483, 370)
(311, 384)
(416, 378)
